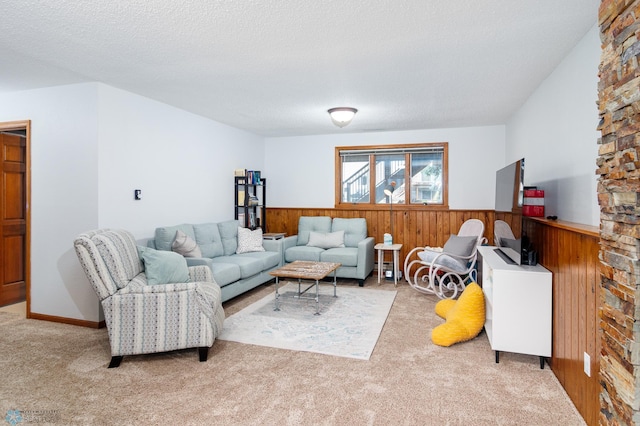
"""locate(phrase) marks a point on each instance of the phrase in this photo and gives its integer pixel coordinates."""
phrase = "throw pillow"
(464, 317)
(460, 246)
(326, 240)
(249, 240)
(184, 245)
(163, 267)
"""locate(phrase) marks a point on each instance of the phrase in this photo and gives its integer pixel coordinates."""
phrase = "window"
(417, 171)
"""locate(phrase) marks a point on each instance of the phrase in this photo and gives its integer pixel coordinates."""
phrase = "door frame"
(25, 125)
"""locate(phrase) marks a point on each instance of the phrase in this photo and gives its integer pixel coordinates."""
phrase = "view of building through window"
(416, 170)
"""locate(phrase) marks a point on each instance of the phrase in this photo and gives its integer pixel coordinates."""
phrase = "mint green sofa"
(234, 273)
(356, 252)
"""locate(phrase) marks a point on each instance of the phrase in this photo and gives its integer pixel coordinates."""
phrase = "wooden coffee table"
(306, 270)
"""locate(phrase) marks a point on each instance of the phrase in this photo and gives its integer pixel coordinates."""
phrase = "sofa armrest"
(200, 273)
(198, 261)
(289, 242)
(272, 245)
(365, 257)
(275, 246)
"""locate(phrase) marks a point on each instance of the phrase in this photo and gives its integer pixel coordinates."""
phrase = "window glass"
(416, 172)
(390, 169)
(356, 177)
(426, 178)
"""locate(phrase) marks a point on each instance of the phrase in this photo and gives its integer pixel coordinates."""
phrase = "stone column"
(618, 187)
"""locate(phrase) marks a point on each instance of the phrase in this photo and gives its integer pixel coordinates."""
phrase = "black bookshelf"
(250, 200)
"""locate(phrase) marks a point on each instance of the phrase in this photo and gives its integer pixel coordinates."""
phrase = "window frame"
(392, 149)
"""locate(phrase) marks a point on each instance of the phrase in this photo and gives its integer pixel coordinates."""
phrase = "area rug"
(348, 325)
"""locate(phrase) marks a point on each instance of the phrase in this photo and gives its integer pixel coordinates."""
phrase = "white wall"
(64, 196)
(182, 162)
(92, 145)
(300, 170)
(555, 131)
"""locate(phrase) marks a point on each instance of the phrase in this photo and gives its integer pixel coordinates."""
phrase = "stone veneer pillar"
(618, 188)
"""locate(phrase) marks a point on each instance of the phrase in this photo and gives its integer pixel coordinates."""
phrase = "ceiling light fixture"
(342, 116)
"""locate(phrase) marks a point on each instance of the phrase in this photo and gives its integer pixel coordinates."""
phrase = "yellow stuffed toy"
(464, 317)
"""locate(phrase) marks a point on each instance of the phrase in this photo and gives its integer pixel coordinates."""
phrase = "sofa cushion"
(164, 236)
(269, 259)
(208, 239)
(229, 234)
(185, 245)
(249, 241)
(428, 256)
(163, 267)
(303, 253)
(326, 240)
(249, 266)
(307, 224)
(347, 256)
(355, 230)
(225, 273)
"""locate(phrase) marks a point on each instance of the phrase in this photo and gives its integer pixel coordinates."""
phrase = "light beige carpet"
(49, 367)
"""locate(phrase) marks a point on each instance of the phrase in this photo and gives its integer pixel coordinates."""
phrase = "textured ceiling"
(273, 67)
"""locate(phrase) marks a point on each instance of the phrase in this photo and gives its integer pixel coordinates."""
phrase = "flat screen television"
(509, 199)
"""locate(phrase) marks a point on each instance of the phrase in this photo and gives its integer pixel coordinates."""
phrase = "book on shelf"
(240, 172)
(253, 177)
(241, 220)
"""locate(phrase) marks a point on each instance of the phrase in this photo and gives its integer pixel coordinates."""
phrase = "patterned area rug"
(348, 325)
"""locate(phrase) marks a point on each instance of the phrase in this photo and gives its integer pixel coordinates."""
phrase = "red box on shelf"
(534, 211)
(535, 193)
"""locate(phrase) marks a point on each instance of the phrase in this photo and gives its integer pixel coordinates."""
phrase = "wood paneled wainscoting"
(412, 228)
(570, 252)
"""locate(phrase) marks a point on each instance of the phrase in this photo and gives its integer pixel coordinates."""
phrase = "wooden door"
(13, 217)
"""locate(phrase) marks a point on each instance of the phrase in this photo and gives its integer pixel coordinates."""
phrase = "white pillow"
(249, 240)
(326, 240)
(184, 245)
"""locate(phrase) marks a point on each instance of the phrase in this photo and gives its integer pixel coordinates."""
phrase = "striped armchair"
(144, 318)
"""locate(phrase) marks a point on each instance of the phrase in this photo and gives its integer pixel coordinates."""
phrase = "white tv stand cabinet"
(518, 306)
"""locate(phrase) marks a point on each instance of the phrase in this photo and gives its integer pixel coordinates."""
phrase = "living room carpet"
(60, 371)
(348, 325)
(8, 317)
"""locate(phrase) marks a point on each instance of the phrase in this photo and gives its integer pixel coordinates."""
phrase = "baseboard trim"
(64, 320)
